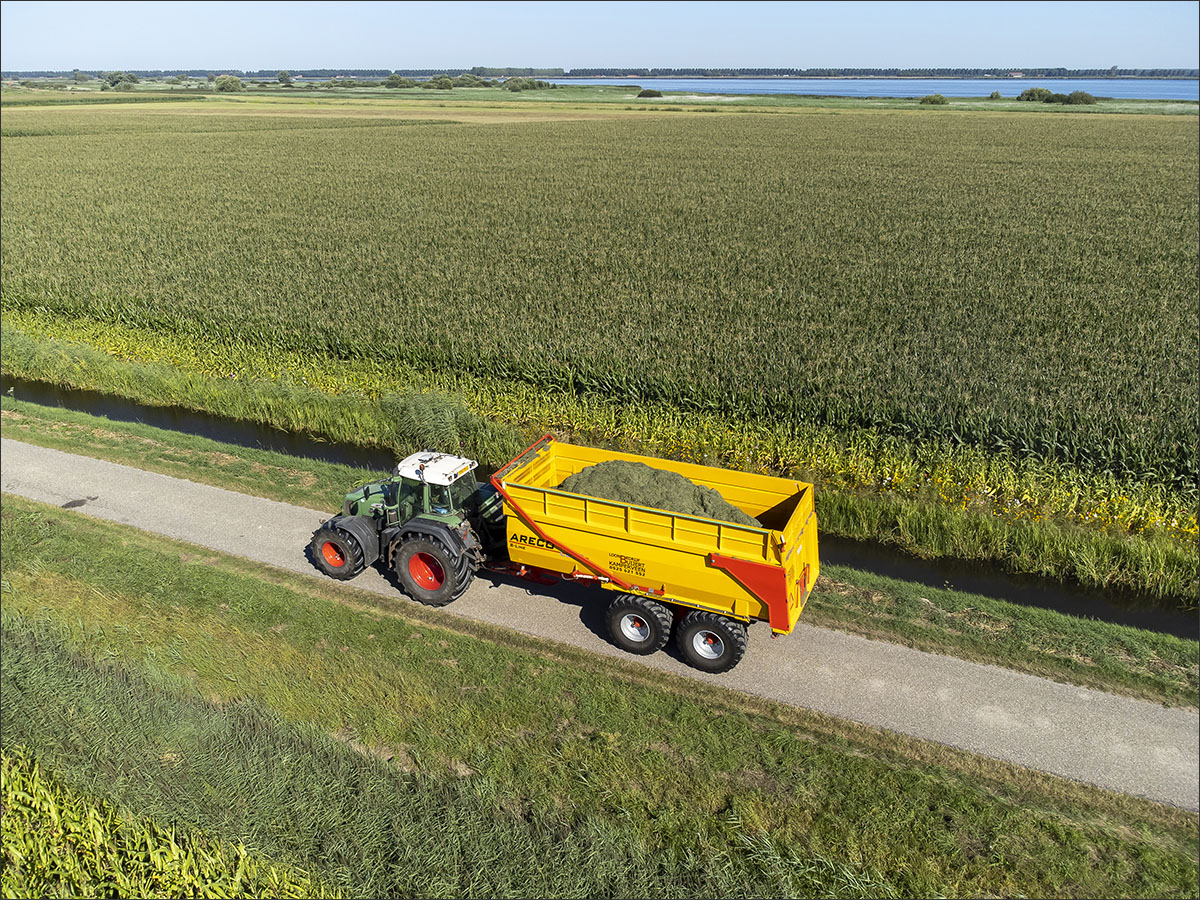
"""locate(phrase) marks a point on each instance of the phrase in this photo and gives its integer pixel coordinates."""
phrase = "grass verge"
(59, 843)
(1093, 654)
(394, 751)
(864, 501)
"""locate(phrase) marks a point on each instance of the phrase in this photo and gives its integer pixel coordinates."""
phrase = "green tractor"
(431, 524)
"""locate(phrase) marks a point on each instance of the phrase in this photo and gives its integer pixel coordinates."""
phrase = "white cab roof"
(434, 468)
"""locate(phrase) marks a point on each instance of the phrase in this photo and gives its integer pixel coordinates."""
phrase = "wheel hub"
(708, 644)
(426, 571)
(332, 555)
(635, 628)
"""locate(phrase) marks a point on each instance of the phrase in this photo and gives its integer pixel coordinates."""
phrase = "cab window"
(462, 494)
(410, 501)
(439, 499)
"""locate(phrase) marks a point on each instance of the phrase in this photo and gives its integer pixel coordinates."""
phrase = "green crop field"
(995, 311)
(974, 330)
(57, 843)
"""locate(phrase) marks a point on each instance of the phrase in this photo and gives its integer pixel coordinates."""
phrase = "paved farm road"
(1127, 745)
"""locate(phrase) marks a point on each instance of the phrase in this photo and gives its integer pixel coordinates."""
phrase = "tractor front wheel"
(429, 572)
(336, 553)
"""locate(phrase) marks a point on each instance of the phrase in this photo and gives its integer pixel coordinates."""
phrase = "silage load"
(635, 482)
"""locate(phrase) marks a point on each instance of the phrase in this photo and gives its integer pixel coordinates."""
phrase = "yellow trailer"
(703, 578)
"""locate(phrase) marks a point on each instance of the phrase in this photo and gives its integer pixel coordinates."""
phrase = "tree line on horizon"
(526, 72)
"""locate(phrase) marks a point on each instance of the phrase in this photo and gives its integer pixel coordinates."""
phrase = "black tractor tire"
(430, 572)
(709, 642)
(638, 624)
(336, 553)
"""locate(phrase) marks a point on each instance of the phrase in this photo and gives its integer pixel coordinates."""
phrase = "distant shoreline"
(882, 77)
(429, 73)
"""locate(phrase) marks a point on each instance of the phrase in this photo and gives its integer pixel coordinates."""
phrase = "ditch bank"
(1117, 607)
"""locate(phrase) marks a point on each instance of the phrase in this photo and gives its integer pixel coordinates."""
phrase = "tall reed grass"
(1153, 563)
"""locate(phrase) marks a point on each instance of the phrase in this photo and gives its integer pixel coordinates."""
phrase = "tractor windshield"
(462, 494)
(458, 496)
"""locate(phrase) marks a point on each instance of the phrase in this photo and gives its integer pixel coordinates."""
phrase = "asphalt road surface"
(1126, 745)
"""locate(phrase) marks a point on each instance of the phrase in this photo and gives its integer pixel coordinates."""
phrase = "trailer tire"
(337, 553)
(429, 571)
(638, 624)
(709, 642)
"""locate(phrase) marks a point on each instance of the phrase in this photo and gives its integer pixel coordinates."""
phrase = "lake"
(1123, 88)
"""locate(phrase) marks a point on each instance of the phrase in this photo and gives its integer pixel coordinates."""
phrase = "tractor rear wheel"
(638, 624)
(430, 572)
(709, 642)
(336, 553)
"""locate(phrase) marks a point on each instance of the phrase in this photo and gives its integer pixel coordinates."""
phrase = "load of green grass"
(634, 482)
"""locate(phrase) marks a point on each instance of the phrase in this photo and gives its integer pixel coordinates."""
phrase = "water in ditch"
(1118, 607)
(171, 418)
(974, 577)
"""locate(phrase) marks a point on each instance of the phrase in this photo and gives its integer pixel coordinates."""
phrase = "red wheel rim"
(426, 571)
(333, 556)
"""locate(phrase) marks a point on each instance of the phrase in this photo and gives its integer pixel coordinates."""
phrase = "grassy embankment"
(58, 843)
(364, 412)
(401, 751)
(1039, 642)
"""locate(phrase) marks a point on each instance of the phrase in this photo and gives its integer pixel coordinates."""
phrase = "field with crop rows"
(58, 843)
(1017, 286)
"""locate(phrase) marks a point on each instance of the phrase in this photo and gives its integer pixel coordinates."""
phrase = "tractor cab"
(435, 483)
(424, 484)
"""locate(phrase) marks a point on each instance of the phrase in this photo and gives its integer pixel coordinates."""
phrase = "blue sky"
(328, 34)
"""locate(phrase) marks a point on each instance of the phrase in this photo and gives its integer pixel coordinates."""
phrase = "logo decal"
(531, 542)
(630, 565)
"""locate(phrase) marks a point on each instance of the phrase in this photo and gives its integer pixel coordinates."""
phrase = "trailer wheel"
(709, 642)
(429, 572)
(638, 624)
(336, 553)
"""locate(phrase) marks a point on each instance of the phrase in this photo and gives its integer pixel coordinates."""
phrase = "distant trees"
(511, 72)
(284, 78)
(995, 95)
(112, 79)
(229, 83)
(649, 92)
(1045, 95)
(528, 84)
(934, 100)
(1035, 94)
(438, 82)
(470, 80)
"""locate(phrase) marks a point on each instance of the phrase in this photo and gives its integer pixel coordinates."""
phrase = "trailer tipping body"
(743, 572)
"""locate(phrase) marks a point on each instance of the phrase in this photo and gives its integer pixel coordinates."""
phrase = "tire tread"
(735, 630)
(651, 609)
